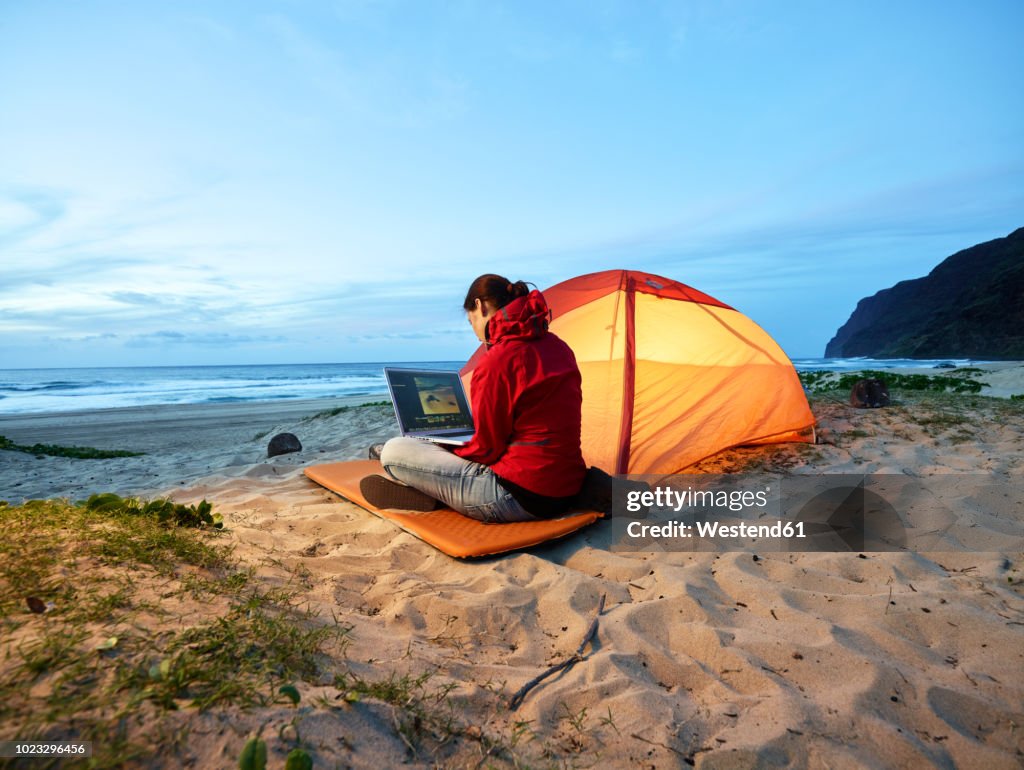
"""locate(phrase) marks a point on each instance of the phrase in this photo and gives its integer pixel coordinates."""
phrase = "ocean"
(63, 390)
(24, 391)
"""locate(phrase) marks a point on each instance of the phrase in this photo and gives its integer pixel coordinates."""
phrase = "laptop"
(430, 404)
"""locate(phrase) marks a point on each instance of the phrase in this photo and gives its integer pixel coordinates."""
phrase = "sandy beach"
(728, 660)
(182, 443)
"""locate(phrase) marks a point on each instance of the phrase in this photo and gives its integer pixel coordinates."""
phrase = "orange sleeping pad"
(445, 529)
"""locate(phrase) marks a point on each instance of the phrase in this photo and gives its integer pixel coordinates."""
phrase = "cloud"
(878, 227)
(24, 212)
(28, 273)
(136, 298)
(203, 339)
(83, 338)
(417, 335)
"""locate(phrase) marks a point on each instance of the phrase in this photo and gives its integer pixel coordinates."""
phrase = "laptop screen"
(427, 400)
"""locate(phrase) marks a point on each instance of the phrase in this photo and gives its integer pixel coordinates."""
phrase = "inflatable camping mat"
(445, 529)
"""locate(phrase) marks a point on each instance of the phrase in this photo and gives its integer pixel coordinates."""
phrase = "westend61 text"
(667, 498)
(714, 529)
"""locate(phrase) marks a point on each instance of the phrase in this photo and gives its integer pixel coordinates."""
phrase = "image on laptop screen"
(430, 401)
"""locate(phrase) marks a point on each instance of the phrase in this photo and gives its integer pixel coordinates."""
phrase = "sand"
(713, 660)
(182, 443)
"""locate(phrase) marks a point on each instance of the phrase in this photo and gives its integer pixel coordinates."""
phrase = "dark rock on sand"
(282, 444)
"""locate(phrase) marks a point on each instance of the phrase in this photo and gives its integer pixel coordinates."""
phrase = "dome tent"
(670, 374)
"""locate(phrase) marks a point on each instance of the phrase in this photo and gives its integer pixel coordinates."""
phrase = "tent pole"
(628, 380)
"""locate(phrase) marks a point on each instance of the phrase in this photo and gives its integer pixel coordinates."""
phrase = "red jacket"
(526, 400)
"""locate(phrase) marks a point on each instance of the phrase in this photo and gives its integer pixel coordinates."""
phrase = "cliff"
(970, 306)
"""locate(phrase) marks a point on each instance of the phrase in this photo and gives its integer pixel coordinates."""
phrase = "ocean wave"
(60, 390)
(855, 363)
(44, 387)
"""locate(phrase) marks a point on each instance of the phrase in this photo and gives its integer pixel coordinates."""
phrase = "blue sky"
(276, 182)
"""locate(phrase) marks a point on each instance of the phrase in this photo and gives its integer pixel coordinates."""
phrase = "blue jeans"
(470, 488)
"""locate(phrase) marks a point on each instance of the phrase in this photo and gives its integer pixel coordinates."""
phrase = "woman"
(524, 461)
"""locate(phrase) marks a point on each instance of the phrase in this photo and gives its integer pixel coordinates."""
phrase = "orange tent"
(670, 375)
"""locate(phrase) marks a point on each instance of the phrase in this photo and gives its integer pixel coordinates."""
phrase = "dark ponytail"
(494, 288)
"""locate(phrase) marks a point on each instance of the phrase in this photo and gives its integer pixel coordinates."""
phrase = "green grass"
(958, 417)
(342, 409)
(426, 712)
(90, 568)
(819, 381)
(76, 452)
(941, 420)
(165, 512)
(329, 413)
(240, 658)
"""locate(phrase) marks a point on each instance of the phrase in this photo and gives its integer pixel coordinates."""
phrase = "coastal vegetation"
(165, 512)
(76, 452)
(342, 409)
(326, 414)
(133, 625)
(957, 381)
(101, 627)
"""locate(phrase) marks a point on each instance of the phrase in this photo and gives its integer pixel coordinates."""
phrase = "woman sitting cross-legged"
(524, 461)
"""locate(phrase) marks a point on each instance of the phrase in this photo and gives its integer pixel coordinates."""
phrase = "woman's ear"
(481, 306)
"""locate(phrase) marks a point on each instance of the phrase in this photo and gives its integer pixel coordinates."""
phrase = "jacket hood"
(523, 318)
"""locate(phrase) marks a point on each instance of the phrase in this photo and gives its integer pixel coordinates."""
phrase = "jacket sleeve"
(492, 403)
